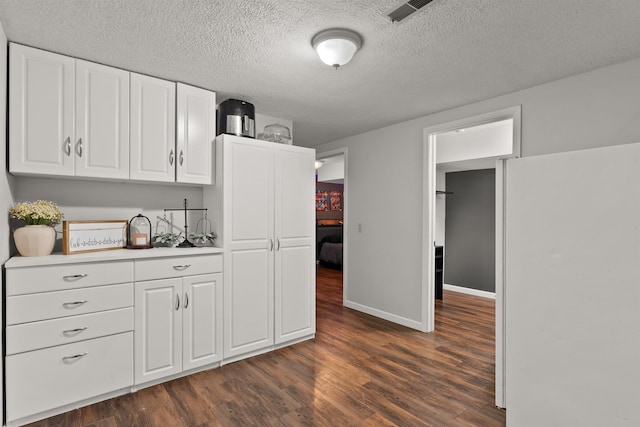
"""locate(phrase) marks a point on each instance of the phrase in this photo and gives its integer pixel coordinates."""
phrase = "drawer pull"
(74, 357)
(74, 277)
(186, 300)
(74, 331)
(177, 302)
(73, 304)
(181, 267)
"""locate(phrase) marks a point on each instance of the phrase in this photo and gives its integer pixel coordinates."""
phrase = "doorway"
(331, 212)
(456, 151)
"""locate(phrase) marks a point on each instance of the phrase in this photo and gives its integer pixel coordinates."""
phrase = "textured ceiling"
(451, 53)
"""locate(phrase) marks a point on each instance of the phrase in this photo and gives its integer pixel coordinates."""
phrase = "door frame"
(345, 198)
(428, 227)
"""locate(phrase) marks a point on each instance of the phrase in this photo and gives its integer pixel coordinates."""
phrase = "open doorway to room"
(330, 216)
(459, 145)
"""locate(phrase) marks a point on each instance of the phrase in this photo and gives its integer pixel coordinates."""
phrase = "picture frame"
(322, 200)
(84, 236)
(335, 198)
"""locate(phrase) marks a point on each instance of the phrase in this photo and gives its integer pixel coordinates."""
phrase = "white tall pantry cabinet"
(263, 203)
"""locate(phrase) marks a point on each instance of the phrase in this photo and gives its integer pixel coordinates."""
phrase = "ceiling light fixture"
(336, 46)
(319, 164)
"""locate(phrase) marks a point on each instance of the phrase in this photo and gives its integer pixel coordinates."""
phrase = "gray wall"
(470, 230)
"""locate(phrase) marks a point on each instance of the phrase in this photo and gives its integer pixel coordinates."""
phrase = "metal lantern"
(139, 232)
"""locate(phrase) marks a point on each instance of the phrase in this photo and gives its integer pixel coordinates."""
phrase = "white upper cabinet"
(196, 132)
(46, 93)
(69, 117)
(153, 129)
(102, 121)
(41, 109)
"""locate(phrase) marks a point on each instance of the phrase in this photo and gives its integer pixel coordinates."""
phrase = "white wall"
(489, 140)
(573, 293)
(332, 169)
(588, 110)
(80, 199)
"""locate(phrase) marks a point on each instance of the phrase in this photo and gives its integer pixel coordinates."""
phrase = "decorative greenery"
(40, 212)
(166, 238)
(203, 238)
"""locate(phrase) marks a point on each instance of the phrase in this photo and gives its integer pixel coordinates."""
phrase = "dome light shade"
(336, 47)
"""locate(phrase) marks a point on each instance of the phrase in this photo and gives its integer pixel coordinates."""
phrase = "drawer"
(164, 268)
(67, 276)
(49, 333)
(41, 380)
(51, 305)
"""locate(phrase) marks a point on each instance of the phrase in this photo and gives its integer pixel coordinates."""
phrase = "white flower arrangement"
(40, 212)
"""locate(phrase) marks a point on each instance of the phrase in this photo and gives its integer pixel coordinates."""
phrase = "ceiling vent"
(405, 9)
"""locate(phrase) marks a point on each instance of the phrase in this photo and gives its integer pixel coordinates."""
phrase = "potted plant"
(165, 240)
(203, 239)
(37, 237)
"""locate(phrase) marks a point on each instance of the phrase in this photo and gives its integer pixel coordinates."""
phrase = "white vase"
(34, 240)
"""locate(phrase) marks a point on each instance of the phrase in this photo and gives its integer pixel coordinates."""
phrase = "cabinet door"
(295, 236)
(153, 129)
(248, 221)
(196, 132)
(41, 102)
(158, 329)
(202, 320)
(248, 297)
(102, 121)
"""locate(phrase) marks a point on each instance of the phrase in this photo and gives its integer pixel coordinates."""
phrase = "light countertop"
(110, 255)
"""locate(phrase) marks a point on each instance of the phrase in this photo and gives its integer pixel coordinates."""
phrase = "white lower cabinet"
(83, 329)
(41, 380)
(69, 337)
(178, 321)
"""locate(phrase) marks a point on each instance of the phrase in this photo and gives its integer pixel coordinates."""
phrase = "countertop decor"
(37, 237)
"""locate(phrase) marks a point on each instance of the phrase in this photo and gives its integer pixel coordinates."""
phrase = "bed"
(330, 252)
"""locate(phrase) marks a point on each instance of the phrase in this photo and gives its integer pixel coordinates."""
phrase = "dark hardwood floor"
(359, 371)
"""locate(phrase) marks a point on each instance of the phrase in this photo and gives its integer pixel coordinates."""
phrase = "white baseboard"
(384, 315)
(469, 291)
